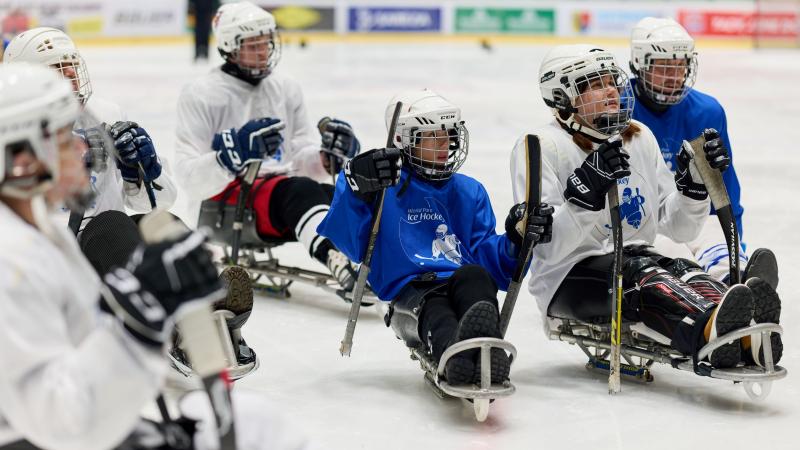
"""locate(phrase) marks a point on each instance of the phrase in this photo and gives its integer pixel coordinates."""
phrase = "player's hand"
(374, 170)
(539, 225)
(134, 148)
(716, 153)
(339, 143)
(589, 183)
(95, 138)
(254, 141)
(687, 180)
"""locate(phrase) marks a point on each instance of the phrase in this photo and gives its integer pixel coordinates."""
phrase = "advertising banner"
(504, 20)
(608, 22)
(368, 19)
(145, 18)
(740, 23)
(305, 18)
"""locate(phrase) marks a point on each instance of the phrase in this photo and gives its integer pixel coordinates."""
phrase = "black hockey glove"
(339, 143)
(716, 153)
(539, 226)
(96, 139)
(135, 148)
(157, 281)
(374, 170)
(587, 186)
(687, 179)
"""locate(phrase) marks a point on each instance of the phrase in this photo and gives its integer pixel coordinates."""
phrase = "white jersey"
(112, 193)
(649, 204)
(220, 101)
(72, 377)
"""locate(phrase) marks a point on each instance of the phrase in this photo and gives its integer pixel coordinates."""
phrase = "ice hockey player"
(122, 156)
(593, 146)
(243, 112)
(437, 257)
(664, 63)
(75, 375)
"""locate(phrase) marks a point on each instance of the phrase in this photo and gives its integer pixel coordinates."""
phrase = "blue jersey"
(425, 227)
(686, 121)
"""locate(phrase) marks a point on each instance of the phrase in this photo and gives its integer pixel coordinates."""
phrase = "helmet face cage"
(435, 153)
(604, 100)
(668, 79)
(258, 55)
(72, 68)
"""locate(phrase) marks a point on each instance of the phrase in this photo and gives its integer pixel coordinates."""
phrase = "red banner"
(740, 23)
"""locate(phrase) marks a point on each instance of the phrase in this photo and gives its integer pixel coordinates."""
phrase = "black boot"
(483, 320)
(762, 264)
(734, 311)
(767, 310)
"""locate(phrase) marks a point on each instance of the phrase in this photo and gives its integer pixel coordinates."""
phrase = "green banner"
(505, 20)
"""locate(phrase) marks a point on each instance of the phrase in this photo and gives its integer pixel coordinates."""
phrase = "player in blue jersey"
(437, 257)
(664, 63)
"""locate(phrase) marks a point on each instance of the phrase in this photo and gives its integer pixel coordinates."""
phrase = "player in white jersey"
(75, 375)
(591, 146)
(121, 174)
(243, 112)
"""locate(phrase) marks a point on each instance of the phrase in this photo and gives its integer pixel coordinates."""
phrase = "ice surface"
(377, 398)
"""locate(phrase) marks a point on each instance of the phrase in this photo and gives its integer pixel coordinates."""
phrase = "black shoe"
(483, 320)
(767, 310)
(762, 264)
(734, 311)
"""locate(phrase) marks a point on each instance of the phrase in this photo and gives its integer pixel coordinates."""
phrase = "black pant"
(443, 308)
(290, 200)
(653, 294)
(203, 9)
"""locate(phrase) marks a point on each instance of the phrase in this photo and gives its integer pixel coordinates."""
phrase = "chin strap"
(237, 72)
(643, 97)
(571, 126)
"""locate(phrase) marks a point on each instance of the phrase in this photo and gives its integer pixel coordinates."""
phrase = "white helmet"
(235, 22)
(427, 115)
(654, 41)
(441, 230)
(566, 73)
(34, 104)
(52, 47)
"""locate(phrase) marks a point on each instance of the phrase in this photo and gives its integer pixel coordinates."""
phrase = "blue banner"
(395, 19)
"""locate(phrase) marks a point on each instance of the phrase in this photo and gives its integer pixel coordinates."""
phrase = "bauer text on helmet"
(663, 60)
(52, 47)
(430, 133)
(587, 90)
(247, 36)
(37, 111)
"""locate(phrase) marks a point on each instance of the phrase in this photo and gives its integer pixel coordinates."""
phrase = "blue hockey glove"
(338, 141)
(254, 141)
(134, 147)
(96, 156)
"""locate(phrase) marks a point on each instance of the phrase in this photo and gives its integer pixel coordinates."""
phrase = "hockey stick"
(245, 184)
(715, 186)
(614, 384)
(363, 271)
(200, 338)
(533, 179)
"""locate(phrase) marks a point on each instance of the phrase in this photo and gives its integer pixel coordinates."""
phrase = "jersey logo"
(427, 227)
(631, 208)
